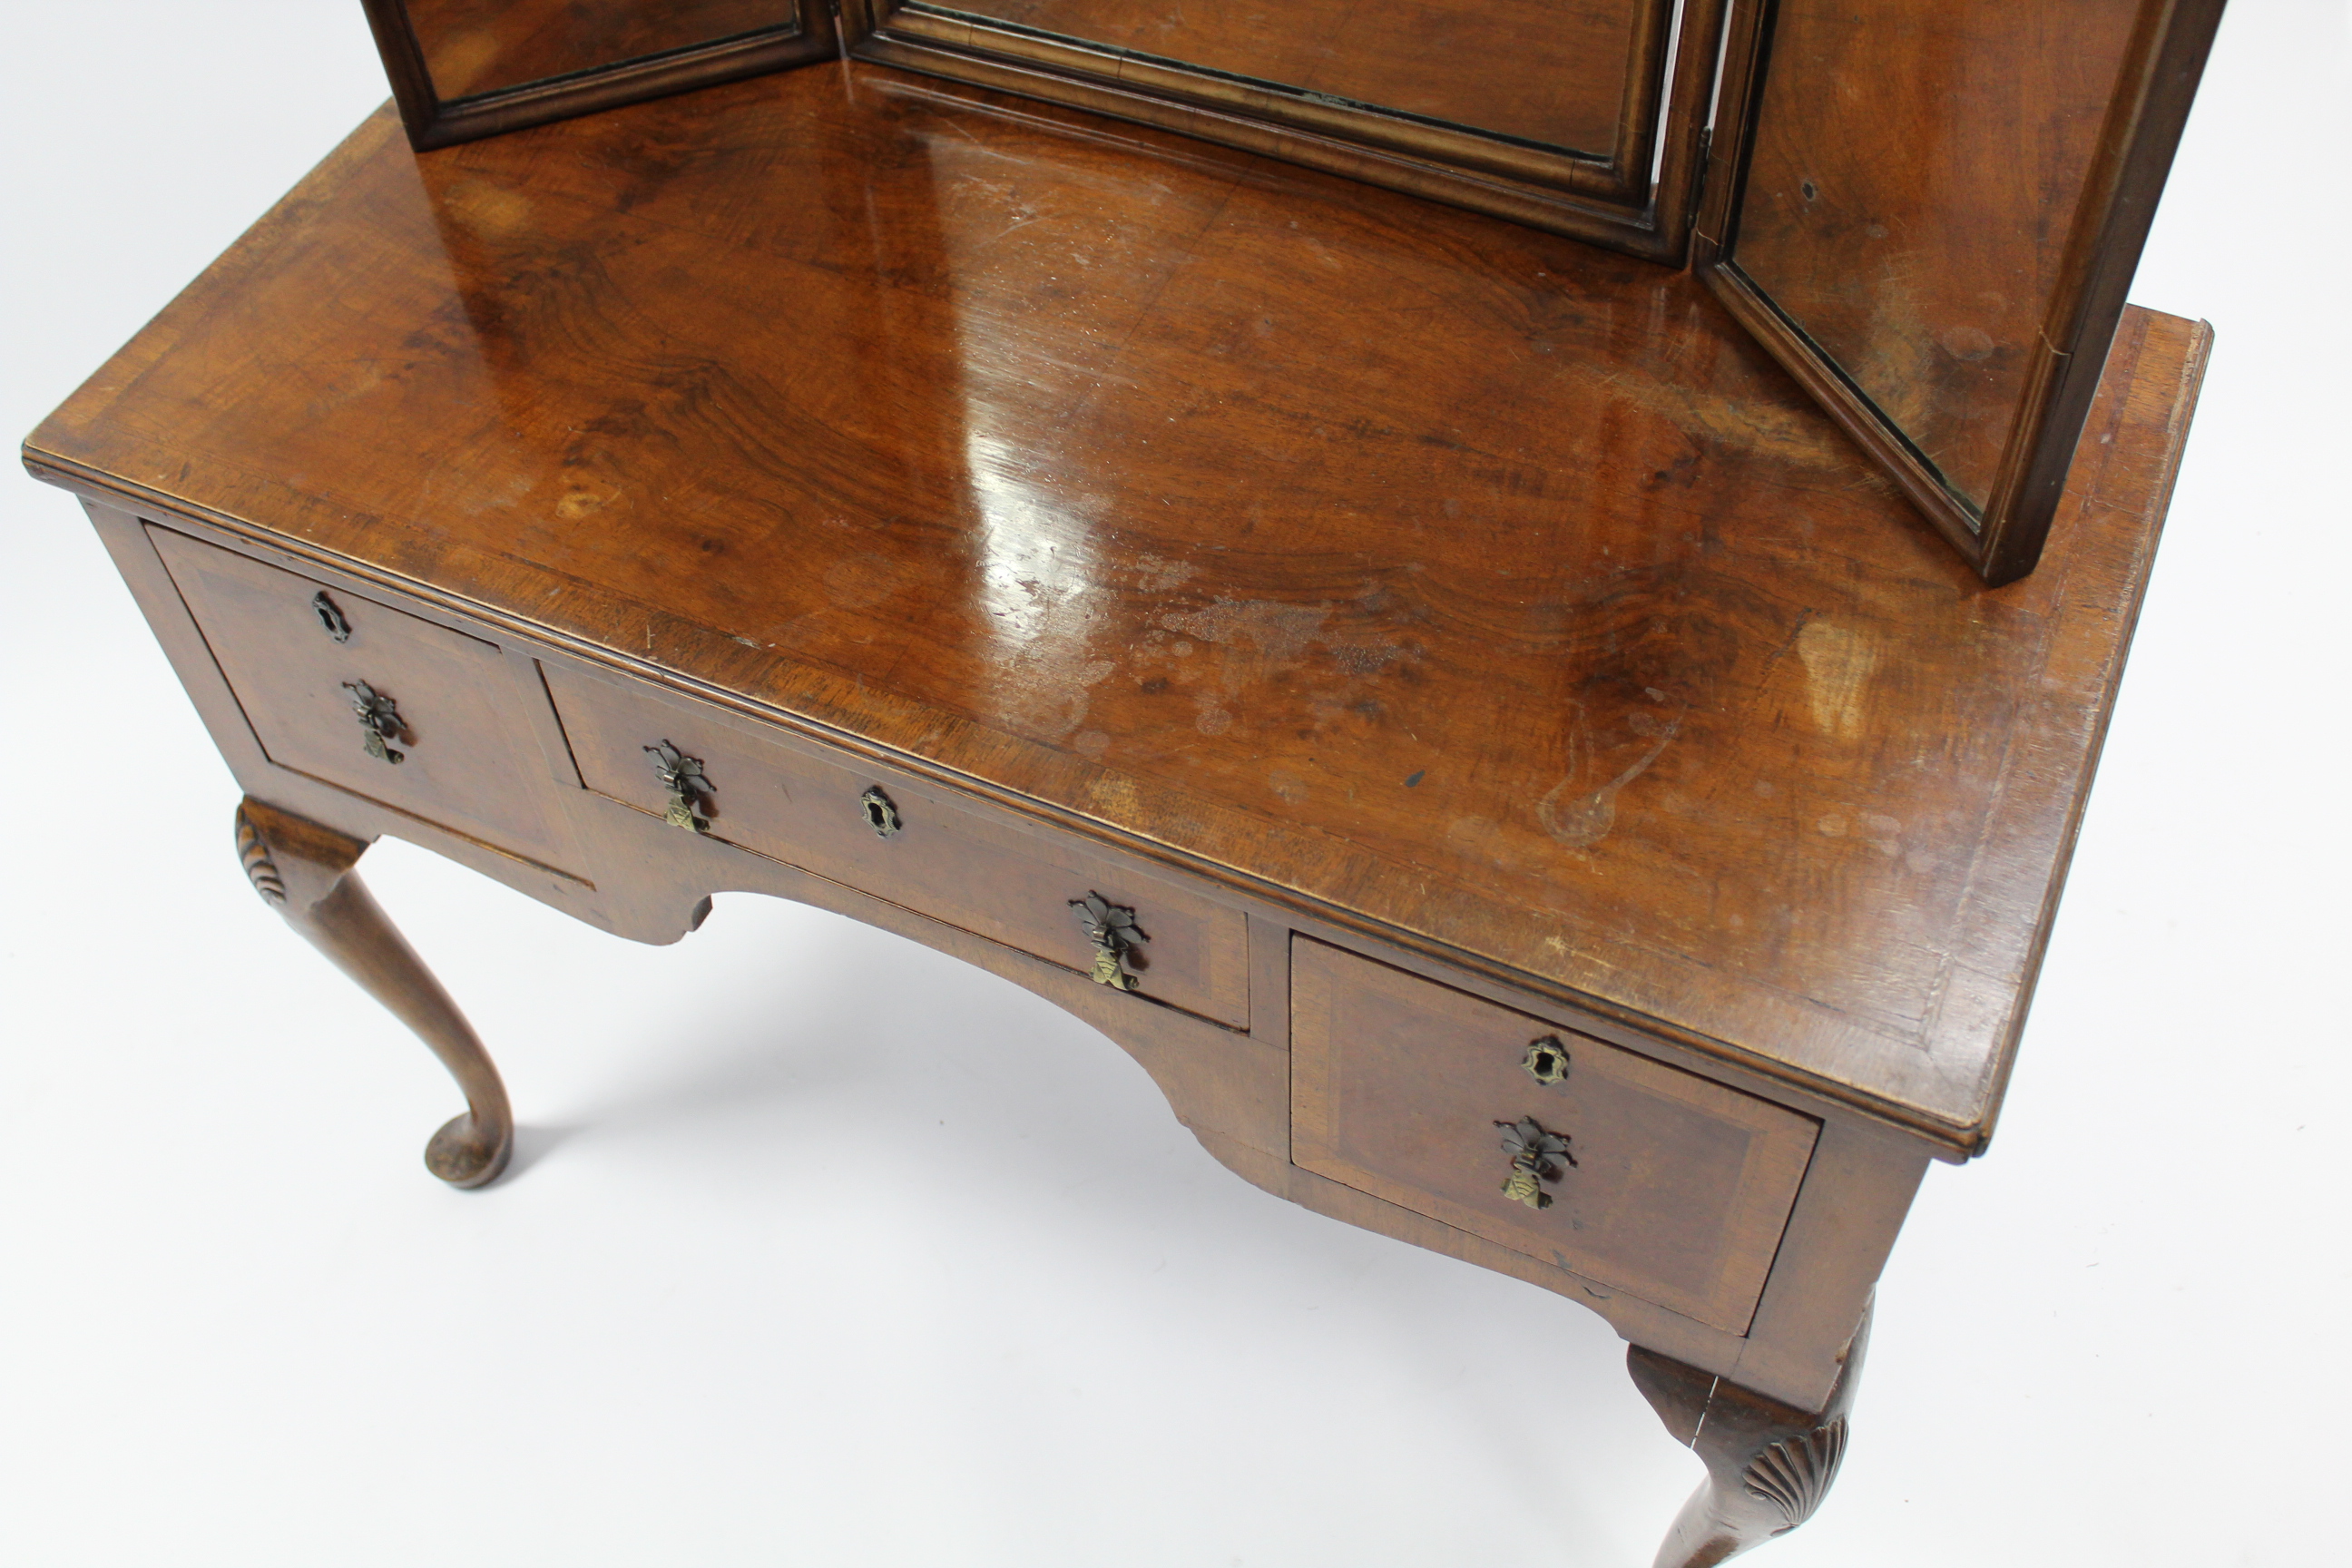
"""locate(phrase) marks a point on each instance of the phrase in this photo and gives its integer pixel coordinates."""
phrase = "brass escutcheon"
(881, 815)
(331, 618)
(1547, 1061)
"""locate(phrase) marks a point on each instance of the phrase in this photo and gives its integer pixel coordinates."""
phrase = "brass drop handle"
(689, 788)
(1112, 929)
(880, 814)
(1534, 1156)
(380, 721)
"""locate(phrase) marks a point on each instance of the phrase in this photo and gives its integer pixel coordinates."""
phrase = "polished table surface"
(1445, 576)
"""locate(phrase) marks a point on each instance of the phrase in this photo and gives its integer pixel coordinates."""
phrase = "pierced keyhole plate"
(1547, 1061)
(880, 814)
(330, 616)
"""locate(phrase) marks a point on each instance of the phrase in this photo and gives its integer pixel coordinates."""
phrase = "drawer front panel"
(796, 801)
(1680, 1187)
(469, 761)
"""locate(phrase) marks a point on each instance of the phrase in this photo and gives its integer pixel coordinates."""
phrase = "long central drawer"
(796, 801)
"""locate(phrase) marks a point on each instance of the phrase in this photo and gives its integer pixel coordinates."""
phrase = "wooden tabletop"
(1438, 576)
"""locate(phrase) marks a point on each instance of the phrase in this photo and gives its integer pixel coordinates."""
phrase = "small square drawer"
(1669, 1186)
(802, 802)
(454, 745)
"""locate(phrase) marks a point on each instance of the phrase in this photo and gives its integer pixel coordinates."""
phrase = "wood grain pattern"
(1549, 73)
(462, 69)
(477, 47)
(1895, 219)
(800, 804)
(132, 549)
(1680, 1187)
(1630, 188)
(304, 871)
(1439, 578)
(467, 759)
(1769, 1465)
(654, 883)
(1930, 214)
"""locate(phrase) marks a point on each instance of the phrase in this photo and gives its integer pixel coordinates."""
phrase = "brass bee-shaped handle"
(380, 721)
(1112, 929)
(1533, 1152)
(688, 787)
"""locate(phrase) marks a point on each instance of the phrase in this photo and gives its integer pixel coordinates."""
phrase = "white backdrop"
(825, 1250)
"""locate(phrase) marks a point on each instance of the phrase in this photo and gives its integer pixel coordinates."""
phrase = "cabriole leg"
(1768, 1465)
(304, 869)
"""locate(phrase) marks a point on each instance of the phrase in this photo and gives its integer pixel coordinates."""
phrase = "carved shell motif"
(258, 867)
(1794, 1474)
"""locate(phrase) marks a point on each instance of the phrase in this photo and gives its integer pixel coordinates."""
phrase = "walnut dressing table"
(1436, 693)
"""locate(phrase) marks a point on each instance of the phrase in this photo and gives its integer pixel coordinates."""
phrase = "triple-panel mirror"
(1927, 210)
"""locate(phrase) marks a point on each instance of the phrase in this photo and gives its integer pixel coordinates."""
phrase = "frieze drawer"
(802, 803)
(1602, 1162)
(378, 701)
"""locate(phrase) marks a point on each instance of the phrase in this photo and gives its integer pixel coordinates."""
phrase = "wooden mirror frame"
(2150, 106)
(433, 121)
(1611, 200)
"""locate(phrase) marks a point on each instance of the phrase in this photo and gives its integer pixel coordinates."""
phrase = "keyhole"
(331, 618)
(880, 814)
(1547, 1061)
